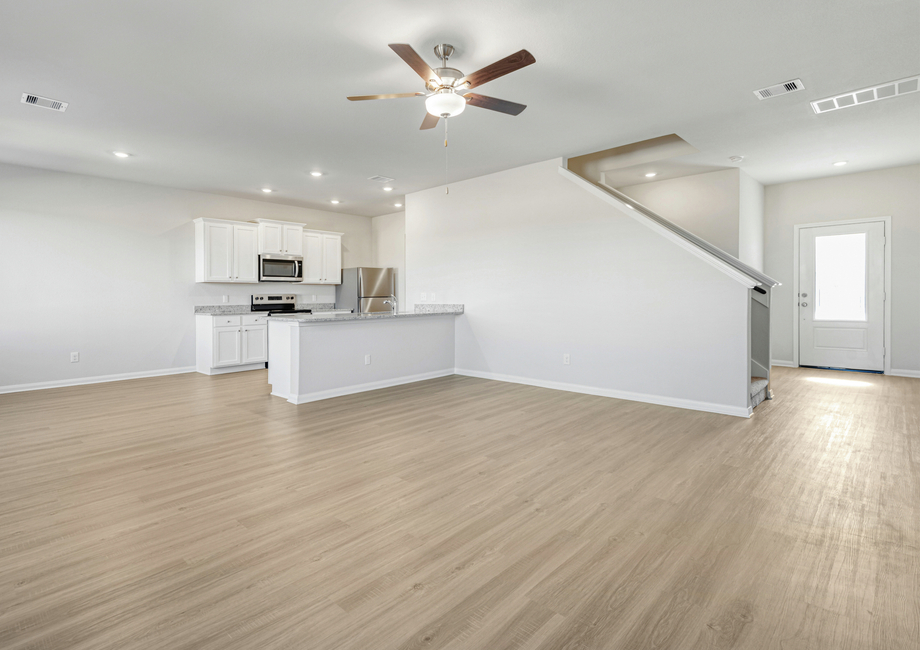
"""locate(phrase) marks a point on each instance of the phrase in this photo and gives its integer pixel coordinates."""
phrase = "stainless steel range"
(277, 304)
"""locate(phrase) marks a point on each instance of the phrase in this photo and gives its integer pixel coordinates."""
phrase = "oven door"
(280, 268)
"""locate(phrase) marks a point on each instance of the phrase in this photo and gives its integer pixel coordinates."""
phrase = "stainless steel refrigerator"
(367, 290)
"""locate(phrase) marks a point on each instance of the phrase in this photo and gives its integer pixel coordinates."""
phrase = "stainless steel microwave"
(280, 268)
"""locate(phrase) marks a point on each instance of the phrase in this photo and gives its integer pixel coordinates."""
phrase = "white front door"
(841, 296)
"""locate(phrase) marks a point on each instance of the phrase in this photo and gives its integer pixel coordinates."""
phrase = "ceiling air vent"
(381, 179)
(866, 95)
(780, 89)
(44, 102)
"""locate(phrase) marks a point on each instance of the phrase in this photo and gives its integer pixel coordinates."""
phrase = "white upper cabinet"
(280, 237)
(293, 239)
(226, 251)
(271, 238)
(322, 253)
(245, 253)
(312, 257)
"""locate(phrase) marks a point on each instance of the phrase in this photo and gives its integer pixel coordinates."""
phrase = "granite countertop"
(232, 310)
(445, 310)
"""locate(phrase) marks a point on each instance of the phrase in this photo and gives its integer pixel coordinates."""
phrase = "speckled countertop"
(456, 310)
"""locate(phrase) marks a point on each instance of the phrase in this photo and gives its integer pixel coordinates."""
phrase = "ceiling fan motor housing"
(448, 76)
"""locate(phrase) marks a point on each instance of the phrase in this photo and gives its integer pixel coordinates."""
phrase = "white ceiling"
(230, 96)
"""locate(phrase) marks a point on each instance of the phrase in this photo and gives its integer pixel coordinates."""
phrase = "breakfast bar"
(318, 356)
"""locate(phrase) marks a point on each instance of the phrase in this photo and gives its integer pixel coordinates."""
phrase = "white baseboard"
(905, 373)
(100, 379)
(361, 388)
(693, 405)
(227, 369)
(783, 363)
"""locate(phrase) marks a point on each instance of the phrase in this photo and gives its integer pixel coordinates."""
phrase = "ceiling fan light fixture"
(445, 103)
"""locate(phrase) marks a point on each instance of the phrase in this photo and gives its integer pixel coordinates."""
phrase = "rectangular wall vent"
(381, 179)
(44, 102)
(866, 95)
(780, 89)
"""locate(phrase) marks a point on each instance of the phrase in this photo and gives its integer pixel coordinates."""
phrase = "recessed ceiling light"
(398, 205)
(840, 163)
(335, 201)
(267, 190)
(650, 174)
(316, 173)
(121, 154)
(388, 189)
(629, 206)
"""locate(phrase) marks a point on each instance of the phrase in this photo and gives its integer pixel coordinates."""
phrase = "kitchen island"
(318, 356)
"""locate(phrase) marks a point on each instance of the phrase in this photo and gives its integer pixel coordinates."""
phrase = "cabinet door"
(245, 254)
(312, 258)
(227, 347)
(218, 252)
(271, 238)
(255, 343)
(293, 240)
(332, 259)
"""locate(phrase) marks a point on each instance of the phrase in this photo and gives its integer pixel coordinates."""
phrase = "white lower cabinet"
(230, 343)
(254, 346)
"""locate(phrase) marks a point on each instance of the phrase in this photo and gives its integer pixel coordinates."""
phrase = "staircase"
(759, 285)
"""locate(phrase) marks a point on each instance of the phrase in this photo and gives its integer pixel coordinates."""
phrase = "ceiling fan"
(447, 88)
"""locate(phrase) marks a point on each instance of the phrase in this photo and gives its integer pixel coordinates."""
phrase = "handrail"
(733, 262)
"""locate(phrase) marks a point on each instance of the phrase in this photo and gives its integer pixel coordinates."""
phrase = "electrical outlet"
(226, 298)
(424, 297)
(314, 297)
(432, 296)
(74, 357)
(566, 359)
(367, 359)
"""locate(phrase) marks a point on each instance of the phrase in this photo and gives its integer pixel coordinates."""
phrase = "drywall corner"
(750, 221)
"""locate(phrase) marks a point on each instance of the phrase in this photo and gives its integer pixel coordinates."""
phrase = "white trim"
(683, 238)
(223, 370)
(905, 373)
(361, 388)
(100, 379)
(783, 363)
(795, 281)
(693, 405)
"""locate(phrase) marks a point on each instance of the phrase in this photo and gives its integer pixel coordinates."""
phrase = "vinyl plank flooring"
(194, 512)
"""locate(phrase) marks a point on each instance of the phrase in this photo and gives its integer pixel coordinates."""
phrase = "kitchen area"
(316, 350)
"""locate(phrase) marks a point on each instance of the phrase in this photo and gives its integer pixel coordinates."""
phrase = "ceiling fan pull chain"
(446, 188)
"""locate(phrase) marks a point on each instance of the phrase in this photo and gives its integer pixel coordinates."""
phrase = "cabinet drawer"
(226, 321)
(255, 319)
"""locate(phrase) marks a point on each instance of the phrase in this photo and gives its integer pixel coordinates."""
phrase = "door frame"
(795, 282)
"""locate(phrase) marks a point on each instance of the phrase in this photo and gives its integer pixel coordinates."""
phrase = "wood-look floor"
(199, 512)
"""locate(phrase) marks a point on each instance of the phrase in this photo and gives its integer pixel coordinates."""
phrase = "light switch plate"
(367, 359)
(432, 296)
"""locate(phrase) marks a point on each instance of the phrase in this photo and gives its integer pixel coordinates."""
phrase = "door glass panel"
(840, 277)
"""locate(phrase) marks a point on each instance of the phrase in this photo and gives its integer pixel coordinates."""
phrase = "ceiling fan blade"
(498, 69)
(361, 98)
(417, 63)
(429, 122)
(500, 105)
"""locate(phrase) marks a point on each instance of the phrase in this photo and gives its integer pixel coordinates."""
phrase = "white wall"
(388, 246)
(705, 204)
(544, 269)
(888, 192)
(750, 221)
(106, 268)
